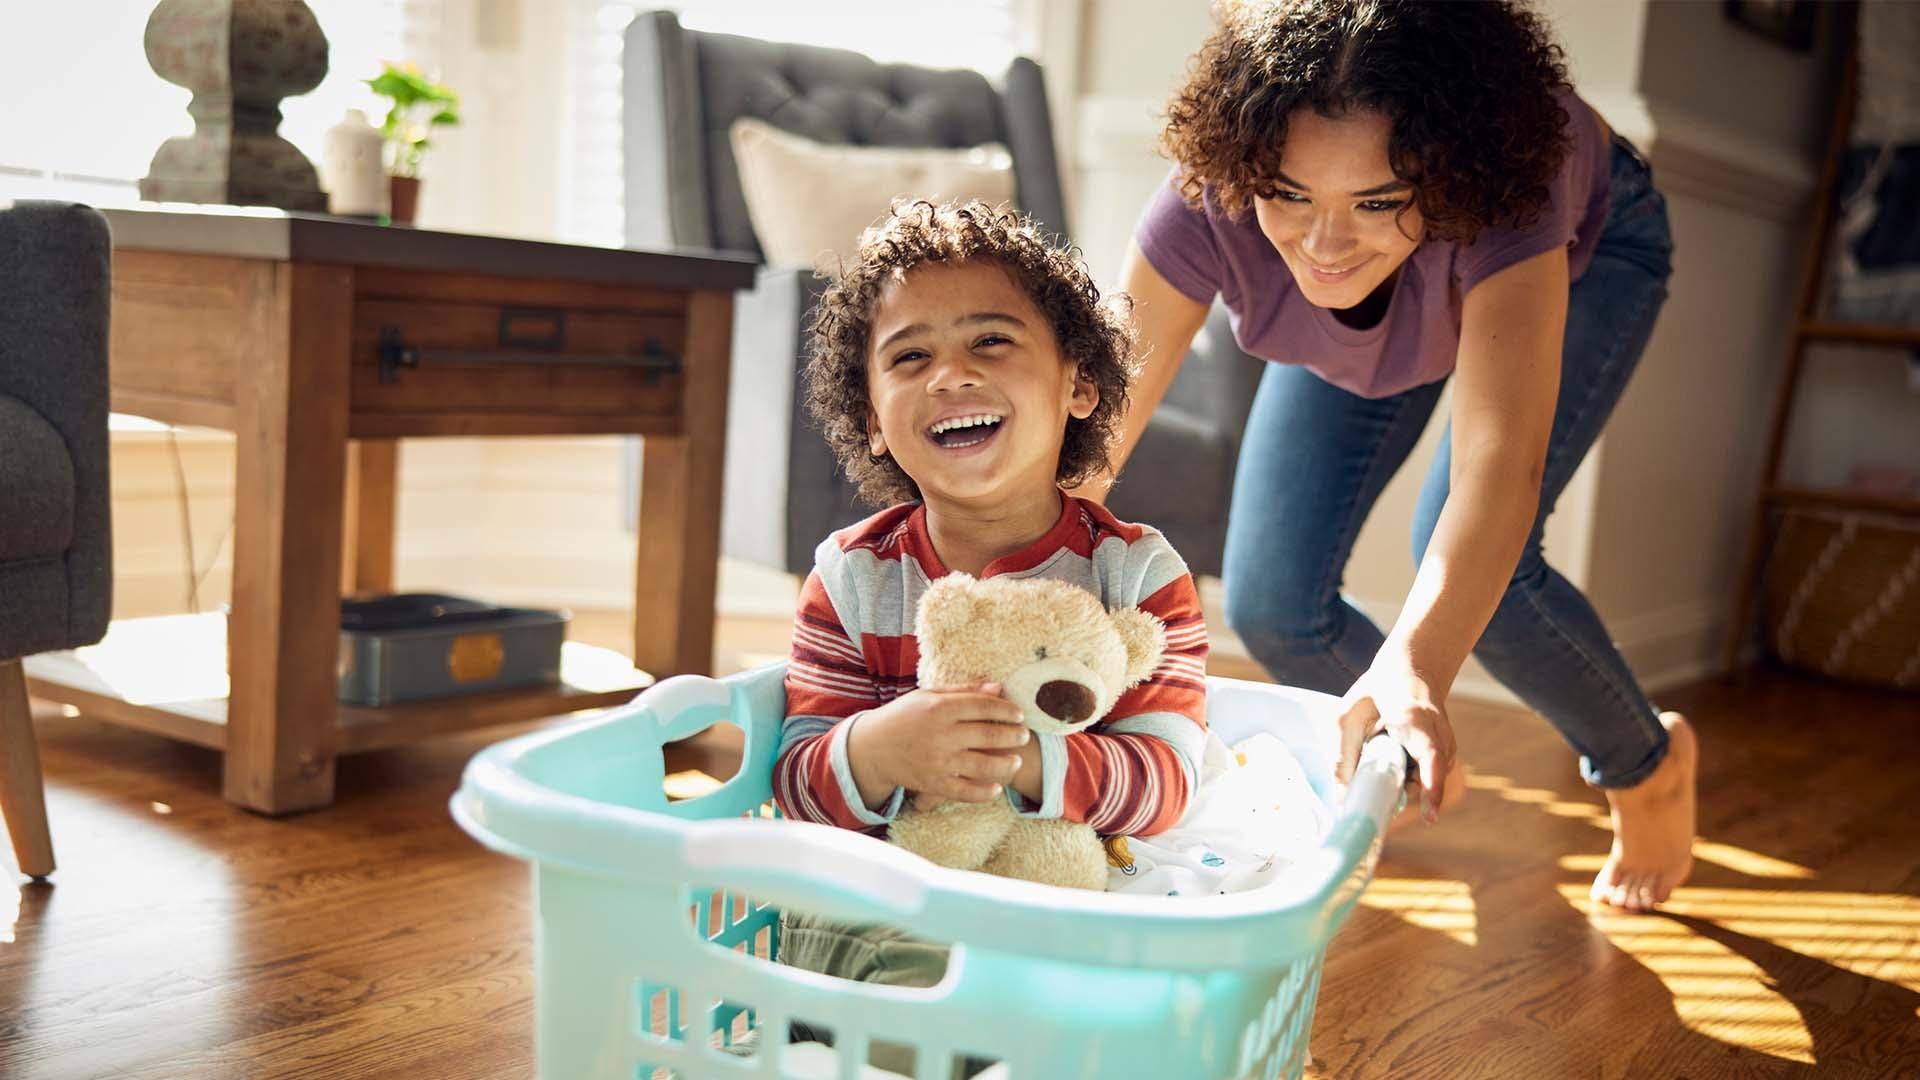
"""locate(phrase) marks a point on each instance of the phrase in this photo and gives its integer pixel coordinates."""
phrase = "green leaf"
(445, 116)
(396, 85)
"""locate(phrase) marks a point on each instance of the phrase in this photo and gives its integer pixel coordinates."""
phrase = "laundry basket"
(1050, 983)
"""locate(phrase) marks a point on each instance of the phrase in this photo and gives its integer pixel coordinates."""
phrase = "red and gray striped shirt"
(853, 649)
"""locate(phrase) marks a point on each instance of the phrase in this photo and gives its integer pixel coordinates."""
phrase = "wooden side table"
(320, 342)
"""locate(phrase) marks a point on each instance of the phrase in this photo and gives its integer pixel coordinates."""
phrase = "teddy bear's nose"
(1065, 700)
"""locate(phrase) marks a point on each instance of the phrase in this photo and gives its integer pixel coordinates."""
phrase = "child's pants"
(864, 952)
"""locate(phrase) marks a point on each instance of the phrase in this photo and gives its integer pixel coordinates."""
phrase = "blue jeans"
(1316, 457)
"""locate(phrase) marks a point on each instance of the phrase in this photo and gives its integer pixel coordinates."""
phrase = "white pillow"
(809, 200)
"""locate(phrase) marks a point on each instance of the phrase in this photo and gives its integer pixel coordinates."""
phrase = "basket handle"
(686, 705)
(1379, 785)
(815, 868)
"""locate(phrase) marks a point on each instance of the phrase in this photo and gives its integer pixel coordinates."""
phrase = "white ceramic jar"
(351, 168)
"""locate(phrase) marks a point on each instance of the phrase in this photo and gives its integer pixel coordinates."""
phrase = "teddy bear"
(1064, 659)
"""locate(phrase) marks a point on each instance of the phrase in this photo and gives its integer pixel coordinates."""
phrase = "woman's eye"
(1382, 206)
(1285, 196)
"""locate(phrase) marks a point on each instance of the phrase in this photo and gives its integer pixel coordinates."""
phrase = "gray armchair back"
(56, 573)
(685, 88)
(783, 491)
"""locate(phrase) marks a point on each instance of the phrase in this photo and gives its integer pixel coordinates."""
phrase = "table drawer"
(441, 358)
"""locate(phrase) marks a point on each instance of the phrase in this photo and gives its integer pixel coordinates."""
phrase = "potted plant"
(419, 105)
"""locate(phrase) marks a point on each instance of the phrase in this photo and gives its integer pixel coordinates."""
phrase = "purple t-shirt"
(1205, 253)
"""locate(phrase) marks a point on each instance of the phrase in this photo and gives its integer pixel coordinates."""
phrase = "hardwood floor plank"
(183, 937)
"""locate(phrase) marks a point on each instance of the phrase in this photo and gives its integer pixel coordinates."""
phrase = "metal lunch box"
(415, 646)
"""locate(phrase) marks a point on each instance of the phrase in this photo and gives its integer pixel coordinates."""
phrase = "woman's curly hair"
(1471, 91)
(1094, 334)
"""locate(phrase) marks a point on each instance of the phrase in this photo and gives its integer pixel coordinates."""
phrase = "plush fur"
(1064, 659)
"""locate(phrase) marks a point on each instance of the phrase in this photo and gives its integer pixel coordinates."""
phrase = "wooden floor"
(183, 938)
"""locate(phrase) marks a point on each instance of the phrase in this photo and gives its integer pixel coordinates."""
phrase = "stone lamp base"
(239, 57)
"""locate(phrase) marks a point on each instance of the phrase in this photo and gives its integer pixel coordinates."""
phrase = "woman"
(1387, 195)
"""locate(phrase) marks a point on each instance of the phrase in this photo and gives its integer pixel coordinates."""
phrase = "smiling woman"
(1389, 195)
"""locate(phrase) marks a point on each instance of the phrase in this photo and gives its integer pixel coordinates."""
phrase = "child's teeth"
(962, 421)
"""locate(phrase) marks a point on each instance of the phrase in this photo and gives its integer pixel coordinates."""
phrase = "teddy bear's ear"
(946, 606)
(1146, 641)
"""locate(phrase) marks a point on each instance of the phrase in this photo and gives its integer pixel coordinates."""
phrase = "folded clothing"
(1252, 816)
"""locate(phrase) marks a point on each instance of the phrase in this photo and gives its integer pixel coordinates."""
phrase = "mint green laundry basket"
(655, 921)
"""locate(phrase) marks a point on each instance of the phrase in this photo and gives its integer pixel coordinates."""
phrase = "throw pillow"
(808, 200)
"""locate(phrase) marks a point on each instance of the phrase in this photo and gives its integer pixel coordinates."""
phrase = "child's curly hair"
(1468, 87)
(1095, 335)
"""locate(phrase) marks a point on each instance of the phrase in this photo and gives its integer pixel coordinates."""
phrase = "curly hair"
(1470, 89)
(1095, 335)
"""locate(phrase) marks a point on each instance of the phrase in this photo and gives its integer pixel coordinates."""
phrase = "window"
(981, 34)
(95, 111)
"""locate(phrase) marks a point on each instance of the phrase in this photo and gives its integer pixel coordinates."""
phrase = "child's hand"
(942, 744)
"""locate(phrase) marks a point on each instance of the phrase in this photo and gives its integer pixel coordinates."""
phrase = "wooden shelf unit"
(1811, 327)
(167, 675)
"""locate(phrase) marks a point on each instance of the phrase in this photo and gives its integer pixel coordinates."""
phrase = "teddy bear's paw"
(1051, 852)
(959, 835)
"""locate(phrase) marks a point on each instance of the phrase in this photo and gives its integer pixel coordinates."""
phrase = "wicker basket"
(1843, 596)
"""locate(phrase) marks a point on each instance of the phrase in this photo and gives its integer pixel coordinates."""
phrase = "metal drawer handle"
(395, 354)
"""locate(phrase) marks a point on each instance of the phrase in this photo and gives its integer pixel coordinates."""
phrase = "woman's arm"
(1506, 383)
(1165, 320)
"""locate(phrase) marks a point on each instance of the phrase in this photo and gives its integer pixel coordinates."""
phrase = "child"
(967, 372)
(964, 363)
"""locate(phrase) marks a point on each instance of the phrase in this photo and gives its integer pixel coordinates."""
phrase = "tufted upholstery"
(55, 553)
(56, 572)
(783, 492)
(685, 89)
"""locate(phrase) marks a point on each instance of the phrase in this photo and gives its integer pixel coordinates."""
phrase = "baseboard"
(1703, 160)
(1672, 646)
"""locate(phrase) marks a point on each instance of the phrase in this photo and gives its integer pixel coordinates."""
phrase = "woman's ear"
(1086, 395)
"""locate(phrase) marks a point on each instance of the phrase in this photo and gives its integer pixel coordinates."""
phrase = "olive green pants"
(862, 952)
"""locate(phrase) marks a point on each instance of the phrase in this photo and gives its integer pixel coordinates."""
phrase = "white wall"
(1133, 56)
(499, 171)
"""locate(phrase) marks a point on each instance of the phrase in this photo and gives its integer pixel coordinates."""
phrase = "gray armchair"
(783, 492)
(56, 569)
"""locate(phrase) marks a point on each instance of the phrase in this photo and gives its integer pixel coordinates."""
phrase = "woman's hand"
(1391, 699)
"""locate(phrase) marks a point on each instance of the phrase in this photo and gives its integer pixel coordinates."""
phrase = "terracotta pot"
(404, 192)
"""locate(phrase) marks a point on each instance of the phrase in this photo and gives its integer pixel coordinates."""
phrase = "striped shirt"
(853, 650)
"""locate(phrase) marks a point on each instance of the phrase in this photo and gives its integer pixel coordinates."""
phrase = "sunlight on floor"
(1739, 860)
(1429, 903)
(9, 914)
(1727, 996)
(1716, 991)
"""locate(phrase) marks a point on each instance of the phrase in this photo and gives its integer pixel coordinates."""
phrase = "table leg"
(373, 474)
(283, 634)
(680, 475)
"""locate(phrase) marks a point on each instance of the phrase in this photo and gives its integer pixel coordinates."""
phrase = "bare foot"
(1653, 827)
(1450, 797)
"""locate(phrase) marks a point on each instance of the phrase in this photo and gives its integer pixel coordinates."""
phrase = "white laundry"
(1253, 815)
